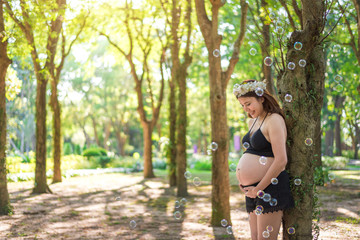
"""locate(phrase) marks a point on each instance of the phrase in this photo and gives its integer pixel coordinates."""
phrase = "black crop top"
(258, 144)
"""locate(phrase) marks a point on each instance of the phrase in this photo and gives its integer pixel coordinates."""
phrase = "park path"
(102, 207)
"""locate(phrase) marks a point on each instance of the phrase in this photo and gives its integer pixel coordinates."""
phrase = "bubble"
(266, 234)
(183, 202)
(273, 202)
(259, 91)
(272, 15)
(331, 176)
(187, 175)
(280, 24)
(259, 208)
(246, 145)
(197, 181)
(308, 141)
(263, 160)
(260, 194)
(291, 65)
(177, 215)
(117, 198)
(269, 228)
(253, 51)
(268, 61)
(209, 152)
(233, 167)
(214, 146)
(229, 230)
(216, 53)
(274, 181)
(257, 212)
(267, 197)
(338, 78)
(288, 98)
(279, 30)
(224, 222)
(132, 224)
(339, 88)
(297, 181)
(302, 62)
(177, 204)
(298, 45)
(291, 230)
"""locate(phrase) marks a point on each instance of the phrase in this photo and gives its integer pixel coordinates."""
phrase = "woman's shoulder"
(276, 119)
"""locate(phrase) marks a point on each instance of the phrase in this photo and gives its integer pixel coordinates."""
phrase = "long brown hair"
(270, 104)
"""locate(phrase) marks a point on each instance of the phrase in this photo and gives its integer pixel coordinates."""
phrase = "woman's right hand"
(242, 188)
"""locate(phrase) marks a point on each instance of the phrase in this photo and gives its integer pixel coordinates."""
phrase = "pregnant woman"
(261, 169)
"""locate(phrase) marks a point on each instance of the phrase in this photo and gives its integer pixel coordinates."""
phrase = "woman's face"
(253, 106)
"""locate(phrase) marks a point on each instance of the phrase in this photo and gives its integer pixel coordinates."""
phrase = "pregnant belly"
(252, 168)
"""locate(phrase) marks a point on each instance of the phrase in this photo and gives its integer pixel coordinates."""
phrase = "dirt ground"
(104, 207)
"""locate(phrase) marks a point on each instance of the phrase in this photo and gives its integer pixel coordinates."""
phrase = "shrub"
(334, 162)
(94, 152)
(159, 163)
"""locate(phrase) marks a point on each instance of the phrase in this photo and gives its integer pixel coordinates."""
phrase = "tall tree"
(306, 85)
(5, 207)
(218, 81)
(143, 36)
(30, 20)
(179, 74)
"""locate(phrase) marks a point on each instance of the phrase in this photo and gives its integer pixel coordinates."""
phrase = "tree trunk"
(339, 100)
(5, 207)
(120, 141)
(107, 134)
(95, 132)
(147, 134)
(181, 136)
(56, 109)
(303, 115)
(329, 142)
(40, 169)
(172, 132)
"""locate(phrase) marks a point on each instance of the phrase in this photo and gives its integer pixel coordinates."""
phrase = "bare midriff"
(249, 169)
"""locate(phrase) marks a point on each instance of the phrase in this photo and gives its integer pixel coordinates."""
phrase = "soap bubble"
(273, 202)
(187, 174)
(260, 208)
(246, 145)
(177, 204)
(260, 194)
(274, 181)
(331, 176)
(279, 30)
(297, 181)
(302, 62)
(232, 167)
(308, 141)
(268, 61)
(183, 202)
(269, 228)
(266, 234)
(272, 16)
(132, 224)
(224, 222)
(337, 48)
(263, 160)
(117, 198)
(216, 53)
(339, 88)
(291, 230)
(267, 197)
(177, 215)
(229, 230)
(291, 65)
(253, 51)
(338, 78)
(214, 146)
(288, 98)
(197, 181)
(259, 91)
(298, 45)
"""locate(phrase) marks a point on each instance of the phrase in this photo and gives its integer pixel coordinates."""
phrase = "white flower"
(242, 89)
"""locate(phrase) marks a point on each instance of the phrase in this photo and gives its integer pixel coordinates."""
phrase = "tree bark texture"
(5, 207)
(339, 103)
(172, 134)
(218, 81)
(329, 142)
(306, 85)
(147, 134)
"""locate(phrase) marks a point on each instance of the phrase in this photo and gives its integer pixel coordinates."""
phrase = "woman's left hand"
(250, 192)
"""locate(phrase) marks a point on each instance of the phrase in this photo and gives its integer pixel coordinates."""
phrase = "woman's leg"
(269, 219)
(253, 225)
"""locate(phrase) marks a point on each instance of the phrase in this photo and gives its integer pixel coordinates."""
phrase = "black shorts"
(280, 192)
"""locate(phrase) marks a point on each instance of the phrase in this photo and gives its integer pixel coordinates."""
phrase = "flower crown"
(242, 89)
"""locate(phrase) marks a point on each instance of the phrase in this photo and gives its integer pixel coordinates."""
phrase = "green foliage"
(336, 162)
(94, 152)
(68, 148)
